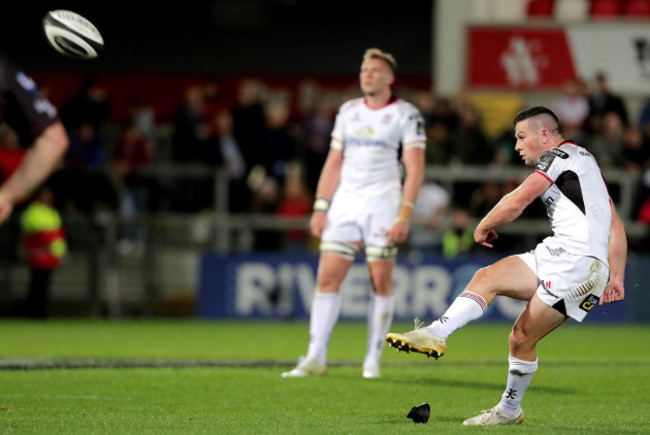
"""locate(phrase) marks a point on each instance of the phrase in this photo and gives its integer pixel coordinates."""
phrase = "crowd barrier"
(272, 286)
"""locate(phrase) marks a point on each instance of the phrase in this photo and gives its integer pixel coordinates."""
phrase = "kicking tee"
(577, 203)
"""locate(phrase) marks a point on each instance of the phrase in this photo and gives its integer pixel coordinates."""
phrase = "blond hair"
(375, 53)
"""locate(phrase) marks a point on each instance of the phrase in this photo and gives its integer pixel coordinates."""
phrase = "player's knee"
(519, 341)
(382, 287)
(482, 279)
(328, 283)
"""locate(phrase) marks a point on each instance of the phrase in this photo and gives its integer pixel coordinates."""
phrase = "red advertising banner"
(518, 58)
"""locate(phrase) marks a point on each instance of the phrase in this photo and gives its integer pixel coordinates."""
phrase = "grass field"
(81, 376)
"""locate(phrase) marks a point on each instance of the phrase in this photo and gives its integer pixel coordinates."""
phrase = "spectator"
(316, 131)
(90, 105)
(608, 146)
(429, 212)
(143, 117)
(572, 108)
(295, 202)
(86, 149)
(485, 198)
(439, 142)
(222, 149)
(445, 111)
(458, 239)
(470, 144)
(265, 201)
(636, 151)
(601, 102)
(644, 119)
(249, 123)
(132, 154)
(279, 145)
(190, 127)
(44, 244)
(86, 177)
(426, 103)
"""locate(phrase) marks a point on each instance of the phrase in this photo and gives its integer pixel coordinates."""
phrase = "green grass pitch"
(82, 376)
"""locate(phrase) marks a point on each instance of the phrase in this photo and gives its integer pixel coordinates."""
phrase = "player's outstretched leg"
(421, 340)
(493, 416)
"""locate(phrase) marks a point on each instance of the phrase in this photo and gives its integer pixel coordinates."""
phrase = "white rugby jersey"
(370, 140)
(577, 203)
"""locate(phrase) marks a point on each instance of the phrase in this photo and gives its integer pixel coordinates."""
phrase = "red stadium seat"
(540, 8)
(636, 9)
(605, 9)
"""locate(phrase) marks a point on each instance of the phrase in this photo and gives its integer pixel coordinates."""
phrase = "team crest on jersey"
(366, 131)
(387, 118)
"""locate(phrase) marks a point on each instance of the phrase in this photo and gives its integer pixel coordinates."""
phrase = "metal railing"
(103, 276)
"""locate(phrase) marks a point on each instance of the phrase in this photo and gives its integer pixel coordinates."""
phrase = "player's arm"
(413, 158)
(510, 208)
(327, 184)
(39, 162)
(617, 256)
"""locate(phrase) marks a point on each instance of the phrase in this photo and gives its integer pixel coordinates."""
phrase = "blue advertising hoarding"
(281, 286)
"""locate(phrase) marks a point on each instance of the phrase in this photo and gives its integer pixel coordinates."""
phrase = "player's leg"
(325, 308)
(510, 277)
(326, 304)
(536, 321)
(380, 309)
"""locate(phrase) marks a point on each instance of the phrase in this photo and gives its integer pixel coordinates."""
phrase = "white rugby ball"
(72, 35)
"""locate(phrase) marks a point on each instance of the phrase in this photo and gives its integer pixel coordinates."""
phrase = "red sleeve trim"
(544, 175)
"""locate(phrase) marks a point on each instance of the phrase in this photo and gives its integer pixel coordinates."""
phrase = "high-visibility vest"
(43, 236)
(454, 244)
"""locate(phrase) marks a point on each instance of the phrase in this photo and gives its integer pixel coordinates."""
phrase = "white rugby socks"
(380, 317)
(325, 311)
(520, 373)
(466, 307)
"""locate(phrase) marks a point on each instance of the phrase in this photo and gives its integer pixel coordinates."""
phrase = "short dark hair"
(534, 111)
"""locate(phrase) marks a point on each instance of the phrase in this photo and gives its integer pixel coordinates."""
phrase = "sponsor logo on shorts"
(589, 302)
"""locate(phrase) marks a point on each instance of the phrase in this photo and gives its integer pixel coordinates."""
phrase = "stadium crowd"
(273, 155)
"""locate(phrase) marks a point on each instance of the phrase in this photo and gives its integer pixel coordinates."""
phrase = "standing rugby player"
(363, 203)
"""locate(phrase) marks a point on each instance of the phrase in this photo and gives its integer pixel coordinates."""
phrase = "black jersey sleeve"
(22, 106)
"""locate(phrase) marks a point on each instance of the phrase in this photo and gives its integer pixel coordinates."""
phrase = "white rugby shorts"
(346, 223)
(572, 284)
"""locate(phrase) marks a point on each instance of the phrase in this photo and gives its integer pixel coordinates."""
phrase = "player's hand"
(6, 207)
(317, 223)
(614, 292)
(398, 232)
(485, 237)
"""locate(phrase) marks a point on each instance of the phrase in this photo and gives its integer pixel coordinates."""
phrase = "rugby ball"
(72, 35)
